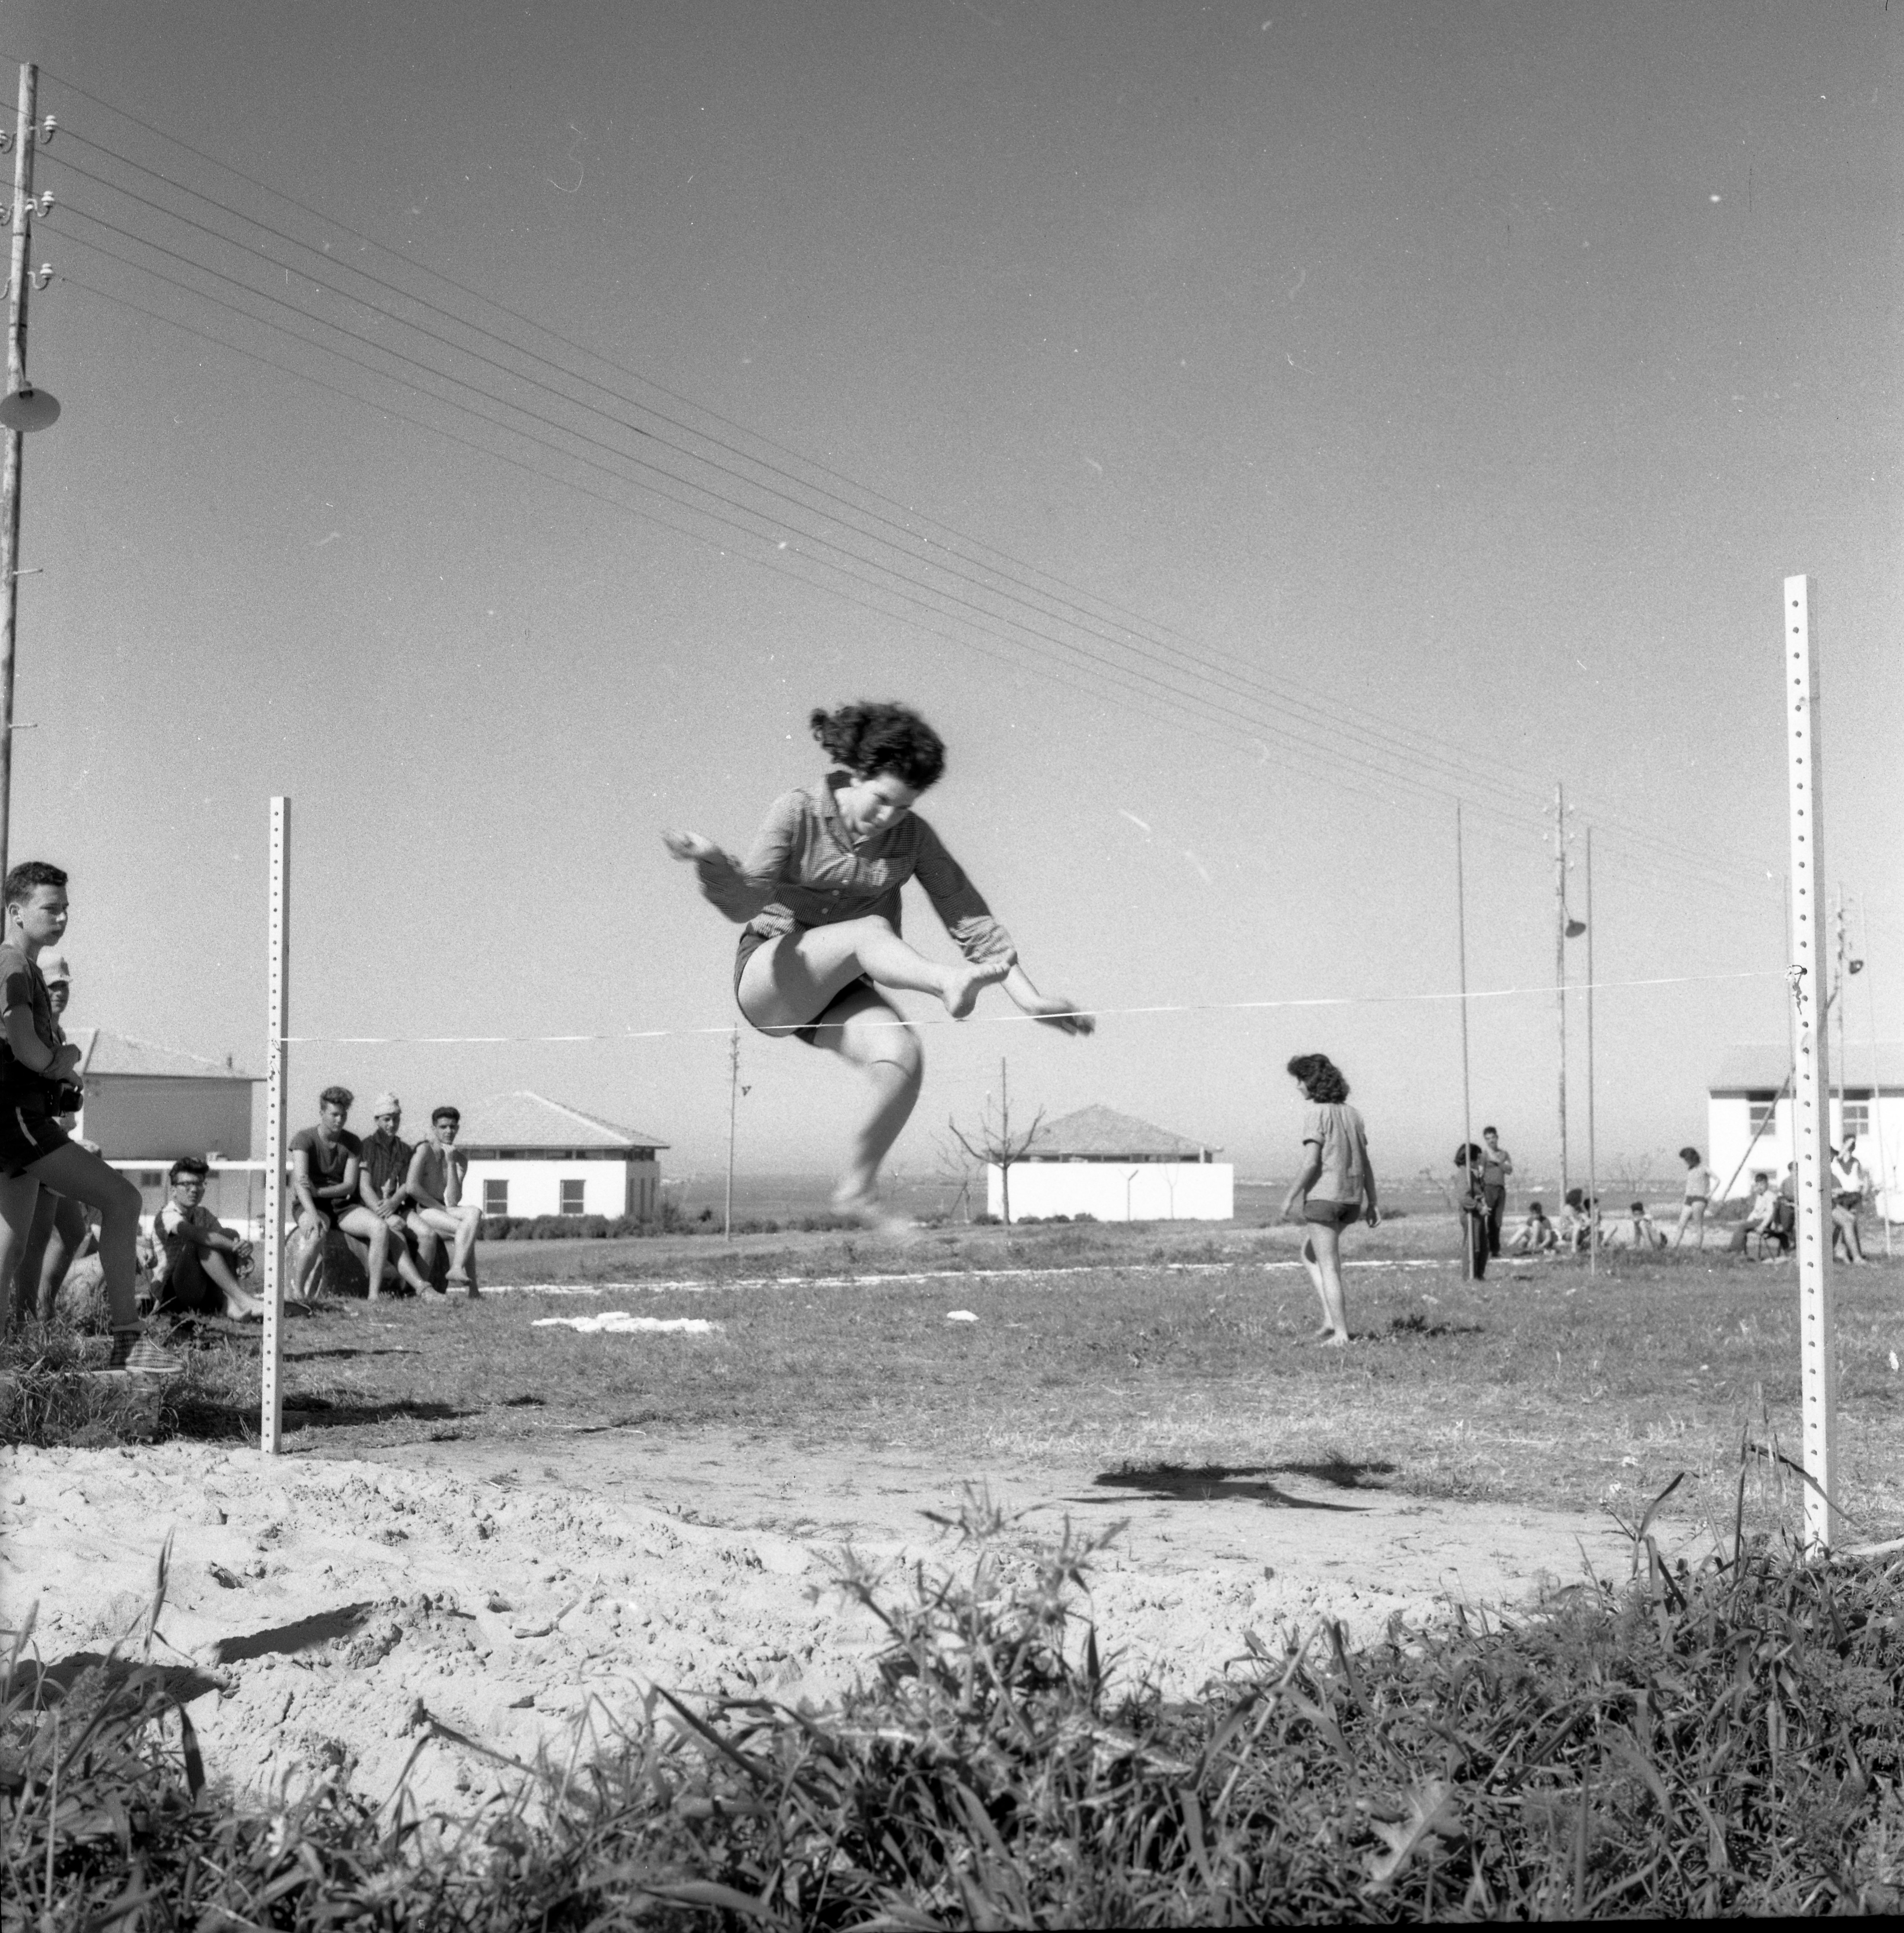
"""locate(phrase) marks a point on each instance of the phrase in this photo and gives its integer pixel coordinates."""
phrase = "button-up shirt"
(805, 869)
(386, 1159)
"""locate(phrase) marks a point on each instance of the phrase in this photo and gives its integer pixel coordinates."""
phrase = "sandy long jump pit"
(521, 1595)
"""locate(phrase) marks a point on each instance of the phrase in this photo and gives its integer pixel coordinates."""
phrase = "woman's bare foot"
(876, 1219)
(963, 983)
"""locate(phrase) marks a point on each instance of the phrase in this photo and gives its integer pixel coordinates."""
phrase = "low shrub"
(1721, 1742)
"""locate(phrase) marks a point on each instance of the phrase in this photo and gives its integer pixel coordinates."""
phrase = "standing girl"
(817, 897)
(1700, 1181)
(1337, 1185)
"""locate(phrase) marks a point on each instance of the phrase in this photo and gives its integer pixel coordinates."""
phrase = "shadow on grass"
(319, 1412)
(1215, 1482)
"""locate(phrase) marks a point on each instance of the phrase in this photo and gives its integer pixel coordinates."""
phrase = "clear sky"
(1242, 430)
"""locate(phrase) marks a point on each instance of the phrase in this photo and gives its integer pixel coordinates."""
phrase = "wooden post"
(1811, 1089)
(271, 1422)
(1467, 1108)
(10, 470)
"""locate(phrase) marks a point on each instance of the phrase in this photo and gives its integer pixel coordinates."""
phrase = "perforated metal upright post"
(1811, 1084)
(271, 1420)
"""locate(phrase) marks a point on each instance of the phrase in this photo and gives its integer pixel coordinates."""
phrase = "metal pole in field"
(733, 1116)
(1877, 1085)
(1811, 1089)
(271, 1421)
(1593, 1171)
(1560, 963)
(1467, 1105)
(11, 466)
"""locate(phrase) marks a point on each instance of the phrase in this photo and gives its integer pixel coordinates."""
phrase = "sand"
(526, 1594)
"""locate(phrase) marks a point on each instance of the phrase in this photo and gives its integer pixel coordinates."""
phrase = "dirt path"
(513, 1590)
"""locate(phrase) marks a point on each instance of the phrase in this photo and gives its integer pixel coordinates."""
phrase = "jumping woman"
(1336, 1187)
(818, 900)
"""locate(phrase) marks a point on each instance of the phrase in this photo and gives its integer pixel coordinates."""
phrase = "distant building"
(1748, 1112)
(146, 1103)
(531, 1156)
(1115, 1168)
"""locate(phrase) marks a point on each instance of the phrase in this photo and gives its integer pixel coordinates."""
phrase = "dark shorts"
(1331, 1214)
(751, 943)
(27, 1132)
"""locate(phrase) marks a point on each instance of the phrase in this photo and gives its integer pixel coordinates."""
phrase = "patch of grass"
(1721, 1742)
(1544, 1387)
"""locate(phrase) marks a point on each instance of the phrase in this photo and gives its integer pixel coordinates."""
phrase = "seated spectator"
(436, 1173)
(199, 1260)
(1537, 1235)
(1579, 1223)
(383, 1187)
(1761, 1212)
(326, 1161)
(1636, 1229)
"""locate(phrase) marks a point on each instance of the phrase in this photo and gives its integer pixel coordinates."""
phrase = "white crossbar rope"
(983, 1019)
(1811, 1082)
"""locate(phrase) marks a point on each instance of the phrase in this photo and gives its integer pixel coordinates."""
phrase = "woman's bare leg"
(792, 978)
(73, 1171)
(868, 1034)
(71, 1230)
(1326, 1272)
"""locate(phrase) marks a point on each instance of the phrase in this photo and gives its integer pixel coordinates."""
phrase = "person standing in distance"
(1497, 1164)
(1336, 1187)
(818, 900)
(1700, 1182)
(37, 1071)
(60, 1228)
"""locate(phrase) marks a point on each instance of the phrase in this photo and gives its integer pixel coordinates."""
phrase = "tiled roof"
(1763, 1069)
(1102, 1134)
(525, 1119)
(102, 1052)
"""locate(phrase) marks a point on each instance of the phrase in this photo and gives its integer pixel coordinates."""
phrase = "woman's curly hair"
(1321, 1079)
(868, 739)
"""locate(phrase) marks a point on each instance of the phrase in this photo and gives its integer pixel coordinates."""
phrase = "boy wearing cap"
(436, 1173)
(383, 1186)
(37, 1071)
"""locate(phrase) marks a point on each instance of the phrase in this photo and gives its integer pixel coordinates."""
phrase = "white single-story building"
(147, 1103)
(1114, 1168)
(531, 1156)
(1748, 1112)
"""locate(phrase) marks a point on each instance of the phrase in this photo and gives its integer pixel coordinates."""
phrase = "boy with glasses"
(200, 1260)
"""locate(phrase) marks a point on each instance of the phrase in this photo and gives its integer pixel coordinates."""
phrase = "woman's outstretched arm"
(741, 887)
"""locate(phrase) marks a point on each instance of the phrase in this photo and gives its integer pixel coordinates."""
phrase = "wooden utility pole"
(20, 417)
(1812, 1087)
(271, 1420)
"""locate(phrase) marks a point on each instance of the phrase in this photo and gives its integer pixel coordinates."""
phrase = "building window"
(571, 1198)
(1858, 1119)
(1762, 1111)
(495, 1197)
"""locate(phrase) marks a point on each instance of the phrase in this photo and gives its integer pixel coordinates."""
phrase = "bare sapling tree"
(992, 1143)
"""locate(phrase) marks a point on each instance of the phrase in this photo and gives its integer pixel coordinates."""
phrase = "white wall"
(610, 1188)
(1117, 1191)
(151, 1118)
(1729, 1132)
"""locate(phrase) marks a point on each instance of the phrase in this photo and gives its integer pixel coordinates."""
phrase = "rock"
(223, 1578)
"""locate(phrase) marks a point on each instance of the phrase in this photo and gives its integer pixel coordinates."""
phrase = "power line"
(1393, 742)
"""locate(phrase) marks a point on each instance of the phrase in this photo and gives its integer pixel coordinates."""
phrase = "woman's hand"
(689, 847)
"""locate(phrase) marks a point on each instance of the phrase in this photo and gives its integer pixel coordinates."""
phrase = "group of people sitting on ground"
(401, 1203)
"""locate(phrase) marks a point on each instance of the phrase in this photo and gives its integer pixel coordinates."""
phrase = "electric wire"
(1137, 682)
(1610, 822)
(1450, 767)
